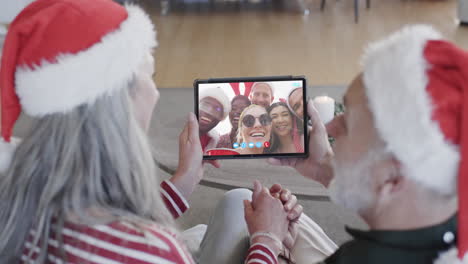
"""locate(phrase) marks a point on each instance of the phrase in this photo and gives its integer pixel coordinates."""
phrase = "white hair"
(351, 186)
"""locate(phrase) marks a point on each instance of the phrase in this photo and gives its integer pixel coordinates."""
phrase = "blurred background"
(321, 39)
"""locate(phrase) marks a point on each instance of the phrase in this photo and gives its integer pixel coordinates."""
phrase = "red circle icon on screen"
(266, 144)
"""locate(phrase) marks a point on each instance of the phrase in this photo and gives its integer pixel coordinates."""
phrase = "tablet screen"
(246, 118)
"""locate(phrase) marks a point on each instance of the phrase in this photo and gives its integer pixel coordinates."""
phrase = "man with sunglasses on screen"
(214, 107)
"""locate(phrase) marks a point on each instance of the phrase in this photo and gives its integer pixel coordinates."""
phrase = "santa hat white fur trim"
(220, 96)
(7, 150)
(451, 257)
(89, 74)
(395, 79)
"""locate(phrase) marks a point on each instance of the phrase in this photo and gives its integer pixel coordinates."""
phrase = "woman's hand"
(190, 169)
(292, 208)
(266, 214)
(317, 165)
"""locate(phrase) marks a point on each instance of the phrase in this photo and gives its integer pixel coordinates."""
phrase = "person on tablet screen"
(287, 136)
(295, 102)
(214, 107)
(238, 104)
(254, 130)
(262, 94)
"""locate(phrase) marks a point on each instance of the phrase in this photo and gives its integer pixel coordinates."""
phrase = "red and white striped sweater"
(123, 242)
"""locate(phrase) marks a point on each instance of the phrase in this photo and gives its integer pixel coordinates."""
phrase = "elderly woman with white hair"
(82, 186)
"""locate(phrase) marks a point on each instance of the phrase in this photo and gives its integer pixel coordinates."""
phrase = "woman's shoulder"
(145, 242)
(153, 233)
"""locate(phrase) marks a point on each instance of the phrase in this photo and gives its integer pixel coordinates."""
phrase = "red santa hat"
(218, 94)
(60, 54)
(417, 87)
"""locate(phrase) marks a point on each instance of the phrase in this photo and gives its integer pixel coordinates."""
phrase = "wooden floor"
(324, 46)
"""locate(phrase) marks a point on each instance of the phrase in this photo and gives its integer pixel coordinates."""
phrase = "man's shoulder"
(349, 252)
(363, 252)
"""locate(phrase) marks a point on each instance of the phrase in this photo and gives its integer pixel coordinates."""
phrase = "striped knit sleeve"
(260, 254)
(113, 243)
(173, 199)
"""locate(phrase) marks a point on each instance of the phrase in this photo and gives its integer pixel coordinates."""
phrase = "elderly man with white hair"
(400, 153)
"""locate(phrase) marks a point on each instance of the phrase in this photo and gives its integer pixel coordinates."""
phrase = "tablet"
(252, 117)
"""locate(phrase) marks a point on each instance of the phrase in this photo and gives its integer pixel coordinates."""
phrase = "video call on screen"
(249, 118)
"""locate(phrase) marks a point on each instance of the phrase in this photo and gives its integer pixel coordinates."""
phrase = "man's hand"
(266, 214)
(317, 165)
(190, 169)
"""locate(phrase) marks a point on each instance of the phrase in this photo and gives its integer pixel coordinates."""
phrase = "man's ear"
(389, 180)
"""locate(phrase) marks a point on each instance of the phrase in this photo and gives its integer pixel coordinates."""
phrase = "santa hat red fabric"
(59, 54)
(417, 88)
(247, 85)
(220, 96)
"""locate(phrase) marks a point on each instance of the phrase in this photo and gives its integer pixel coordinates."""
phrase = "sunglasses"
(249, 120)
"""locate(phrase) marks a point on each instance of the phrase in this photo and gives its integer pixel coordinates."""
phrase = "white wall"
(10, 8)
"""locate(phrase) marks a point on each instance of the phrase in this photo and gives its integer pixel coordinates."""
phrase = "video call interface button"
(266, 144)
(243, 145)
(251, 145)
(235, 145)
(258, 144)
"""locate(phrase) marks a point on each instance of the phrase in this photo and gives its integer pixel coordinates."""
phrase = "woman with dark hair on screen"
(238, 104)
(287, 131)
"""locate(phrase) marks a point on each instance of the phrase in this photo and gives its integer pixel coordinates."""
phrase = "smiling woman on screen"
(254, 130)
(288, 134)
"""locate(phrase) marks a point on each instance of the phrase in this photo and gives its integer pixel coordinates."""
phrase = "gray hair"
(94, 157)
